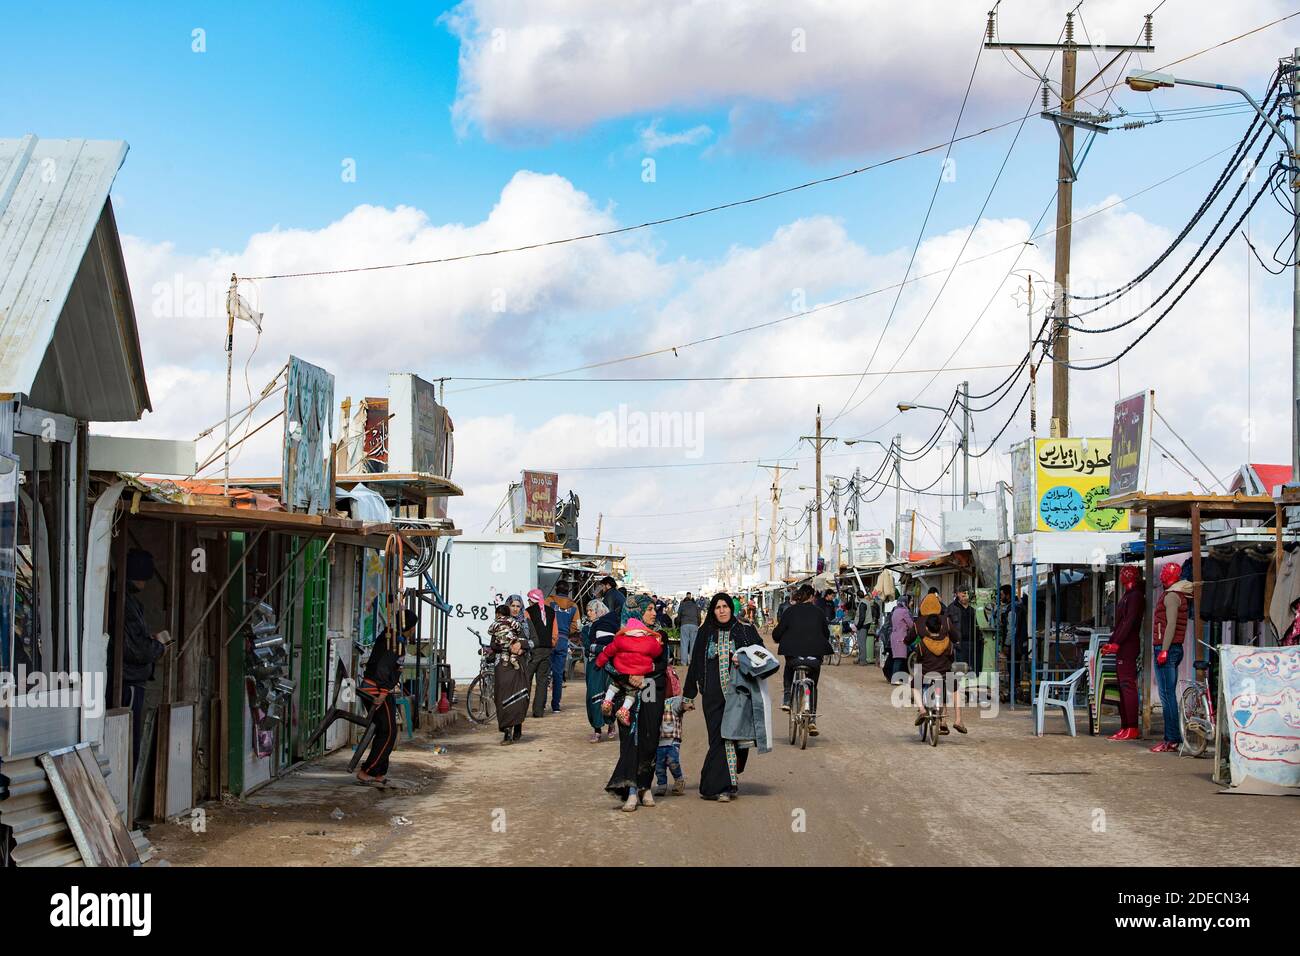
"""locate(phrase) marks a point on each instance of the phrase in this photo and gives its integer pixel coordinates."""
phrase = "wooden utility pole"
(1066, 119)
(818, 440)
(776, 506)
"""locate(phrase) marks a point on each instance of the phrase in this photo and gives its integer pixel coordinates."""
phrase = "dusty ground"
(865, 792)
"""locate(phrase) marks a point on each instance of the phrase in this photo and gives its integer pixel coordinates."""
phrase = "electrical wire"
(925, 221)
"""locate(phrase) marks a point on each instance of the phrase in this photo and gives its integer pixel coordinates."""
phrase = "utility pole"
(1033, 367)
(1295, 272)
(776, 505)
(1066, 119)
(965, 444)
(818, 441)
(898, 493)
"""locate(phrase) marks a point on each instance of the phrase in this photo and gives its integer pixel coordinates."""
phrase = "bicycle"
(480, 699)
(834, 656)
(1196, 708)
(932, 701)
(802, 696)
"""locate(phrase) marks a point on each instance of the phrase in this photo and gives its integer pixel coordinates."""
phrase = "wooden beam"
(1195, 622)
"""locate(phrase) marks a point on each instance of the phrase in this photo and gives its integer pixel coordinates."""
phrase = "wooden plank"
(163, 730)
(117, 747)
(90, 822)
(104, 803)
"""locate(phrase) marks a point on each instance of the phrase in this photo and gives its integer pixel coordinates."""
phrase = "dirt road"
(866, 792)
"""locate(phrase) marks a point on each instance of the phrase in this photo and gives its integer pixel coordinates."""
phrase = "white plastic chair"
(1057, 693)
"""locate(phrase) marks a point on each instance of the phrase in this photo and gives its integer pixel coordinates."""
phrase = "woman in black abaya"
(637, 742)
(709, 674)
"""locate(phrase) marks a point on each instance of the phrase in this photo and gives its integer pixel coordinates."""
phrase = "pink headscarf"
(536, 596)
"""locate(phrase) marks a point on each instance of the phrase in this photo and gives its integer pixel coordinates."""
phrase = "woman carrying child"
(638, 739)
(510, 684)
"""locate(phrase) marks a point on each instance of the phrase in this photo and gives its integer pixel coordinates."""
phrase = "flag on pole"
(238, 307)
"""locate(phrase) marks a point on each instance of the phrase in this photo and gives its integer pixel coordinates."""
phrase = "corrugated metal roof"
(68, 338)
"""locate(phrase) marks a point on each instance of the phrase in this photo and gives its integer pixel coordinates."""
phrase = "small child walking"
(668, 755)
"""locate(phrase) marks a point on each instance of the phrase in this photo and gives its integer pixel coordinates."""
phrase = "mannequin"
(1126, 641)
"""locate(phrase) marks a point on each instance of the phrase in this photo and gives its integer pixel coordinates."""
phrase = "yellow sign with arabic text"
(1072, 476)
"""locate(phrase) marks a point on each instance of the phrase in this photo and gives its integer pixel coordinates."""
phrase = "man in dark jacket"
(379, 681)
(802, 633)
(140, 648)
(961, 628)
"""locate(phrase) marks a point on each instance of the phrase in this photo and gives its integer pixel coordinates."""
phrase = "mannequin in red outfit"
(1125, 643)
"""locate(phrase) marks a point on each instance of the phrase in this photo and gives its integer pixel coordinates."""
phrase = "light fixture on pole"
(964, 402)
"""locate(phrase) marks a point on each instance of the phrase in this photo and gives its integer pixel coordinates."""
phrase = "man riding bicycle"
(803, 639)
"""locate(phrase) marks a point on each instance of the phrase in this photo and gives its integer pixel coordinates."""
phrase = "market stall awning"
(1237, 505)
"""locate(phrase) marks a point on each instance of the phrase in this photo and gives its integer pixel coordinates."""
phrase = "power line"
(622, 230)
(925, 221)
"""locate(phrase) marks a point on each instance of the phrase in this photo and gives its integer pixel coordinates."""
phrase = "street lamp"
(1145, 82)
(964, 401)
(896, 448)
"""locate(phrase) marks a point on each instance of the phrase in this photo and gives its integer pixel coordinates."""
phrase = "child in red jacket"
(633, 650)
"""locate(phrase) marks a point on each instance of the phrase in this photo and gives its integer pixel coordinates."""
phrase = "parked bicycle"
(480, 699)
(1196, 707)
(803, 699)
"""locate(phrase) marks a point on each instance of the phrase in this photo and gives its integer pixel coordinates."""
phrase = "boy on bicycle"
(937, 653)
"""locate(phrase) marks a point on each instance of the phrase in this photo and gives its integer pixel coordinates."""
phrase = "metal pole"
(1295, 276)
(230, 361)
(898, 494)
(818, 446)
(965, 443)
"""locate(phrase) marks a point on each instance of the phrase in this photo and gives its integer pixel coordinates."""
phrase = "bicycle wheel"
(794, 715)
(478, 701)
(1195, 719)
(933, 724)
(803, 731)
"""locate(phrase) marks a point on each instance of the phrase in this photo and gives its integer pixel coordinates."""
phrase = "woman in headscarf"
(638, 740)
(709, 674)
(902, 630)
(596, 635)
(510, 680)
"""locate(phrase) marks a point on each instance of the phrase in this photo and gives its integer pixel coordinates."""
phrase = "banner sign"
(868, 548)
(1071, 476)
(1261, 696)
(1022, 488)
(1131, 443)
(541, 490)
(308, 416)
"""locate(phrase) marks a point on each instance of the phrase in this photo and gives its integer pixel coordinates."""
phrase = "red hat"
(1129, 577)
(1170, 573)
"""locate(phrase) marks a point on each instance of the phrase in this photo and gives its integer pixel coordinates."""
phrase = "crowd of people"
(632, 689)
(631, 645)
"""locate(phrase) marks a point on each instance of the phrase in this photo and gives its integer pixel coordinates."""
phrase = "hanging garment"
(1285, 590)
(1249, 604)
(1213, 570)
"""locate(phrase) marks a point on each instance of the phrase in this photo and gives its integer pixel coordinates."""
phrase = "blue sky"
(251, 135)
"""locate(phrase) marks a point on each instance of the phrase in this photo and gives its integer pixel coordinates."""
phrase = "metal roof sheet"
(68, 338)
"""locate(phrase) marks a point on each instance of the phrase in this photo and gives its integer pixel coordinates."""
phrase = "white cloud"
(1195, 360)
(807, 76)
(654, 139)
